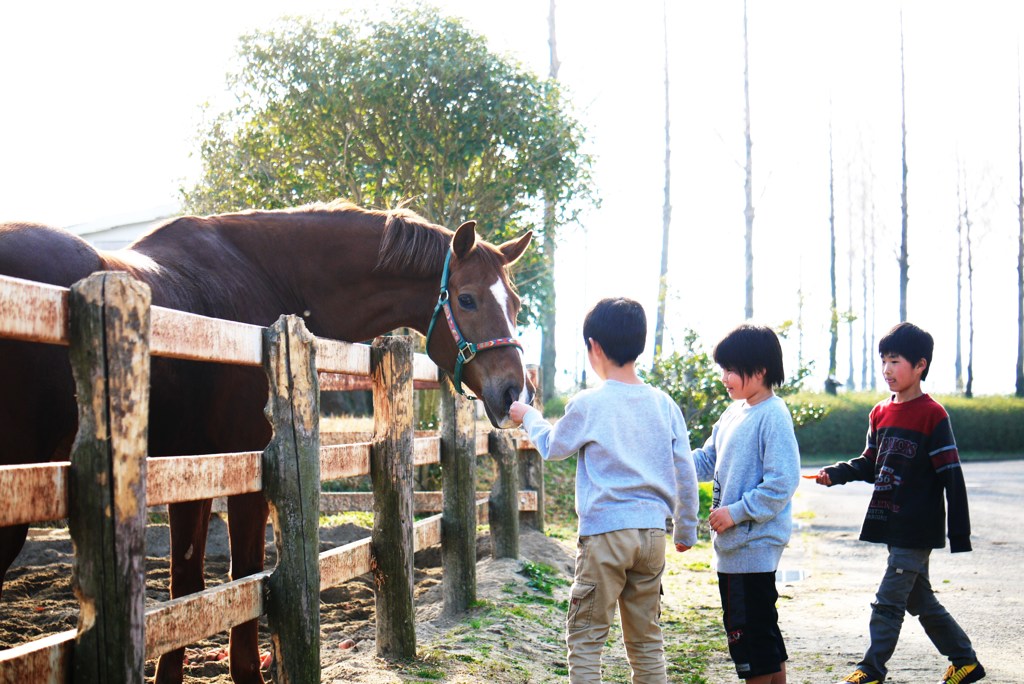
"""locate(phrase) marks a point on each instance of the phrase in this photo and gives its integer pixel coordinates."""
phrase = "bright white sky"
(99, 103)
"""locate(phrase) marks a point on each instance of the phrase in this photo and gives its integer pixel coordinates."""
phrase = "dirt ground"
(828, 577)
(825, 615)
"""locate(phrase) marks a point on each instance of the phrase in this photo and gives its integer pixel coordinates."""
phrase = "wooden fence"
(112, 330)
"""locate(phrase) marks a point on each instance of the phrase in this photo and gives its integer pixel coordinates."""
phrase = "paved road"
(825, 619)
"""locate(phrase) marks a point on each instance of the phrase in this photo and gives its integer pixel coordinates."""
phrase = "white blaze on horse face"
(500, 293)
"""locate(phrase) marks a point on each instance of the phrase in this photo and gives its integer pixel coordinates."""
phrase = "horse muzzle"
(498, 396)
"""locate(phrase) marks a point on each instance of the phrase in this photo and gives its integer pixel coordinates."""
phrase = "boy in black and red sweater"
(911, 458)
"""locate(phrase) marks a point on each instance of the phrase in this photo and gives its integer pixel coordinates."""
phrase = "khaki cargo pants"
(622, 567)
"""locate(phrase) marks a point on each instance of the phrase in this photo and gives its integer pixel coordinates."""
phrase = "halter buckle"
(463, 356)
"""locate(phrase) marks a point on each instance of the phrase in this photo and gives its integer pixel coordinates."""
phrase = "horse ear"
(465, 239)
(513, 249)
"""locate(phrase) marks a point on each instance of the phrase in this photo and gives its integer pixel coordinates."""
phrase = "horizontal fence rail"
(39, 313)
(38, 492)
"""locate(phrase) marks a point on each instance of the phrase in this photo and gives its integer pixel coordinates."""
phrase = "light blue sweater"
(753, 459)
(634, 467)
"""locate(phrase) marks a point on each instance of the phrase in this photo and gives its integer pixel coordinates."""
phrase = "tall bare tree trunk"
(968, 388)
(850, 316)
(904, 262)
(868, 241)
(666, 215)
(1020, 242)
(958, 363)
(830, 381)
(748, 186)
(874, 309)
(547, 348)
(800, 320)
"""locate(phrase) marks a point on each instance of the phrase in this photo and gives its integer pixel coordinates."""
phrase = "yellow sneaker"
(965, 674)
(859, 676)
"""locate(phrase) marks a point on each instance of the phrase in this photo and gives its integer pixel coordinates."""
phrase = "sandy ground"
(829, 581)
(825, 616)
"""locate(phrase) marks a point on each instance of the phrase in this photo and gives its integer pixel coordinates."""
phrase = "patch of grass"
(690, 638)
(805, 515)
(425, 673)
(428, 666)
(543, 578)
(533, 599)
(556, 531)
(357, 518)
(615, 673)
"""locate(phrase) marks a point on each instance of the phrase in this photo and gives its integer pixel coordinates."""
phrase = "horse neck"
(325, 272)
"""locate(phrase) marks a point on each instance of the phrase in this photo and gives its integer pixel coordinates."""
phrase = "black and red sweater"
(911, 458)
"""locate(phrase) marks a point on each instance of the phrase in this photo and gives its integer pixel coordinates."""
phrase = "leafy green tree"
(410, 108)
(693, 380)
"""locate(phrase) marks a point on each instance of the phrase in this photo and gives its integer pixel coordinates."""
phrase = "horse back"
(45, 254)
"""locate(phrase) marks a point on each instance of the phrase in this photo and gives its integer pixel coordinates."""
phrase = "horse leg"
(12, 539)
(247, 527)
(189, 522)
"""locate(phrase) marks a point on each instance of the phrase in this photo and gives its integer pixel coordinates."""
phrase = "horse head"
(473, 332)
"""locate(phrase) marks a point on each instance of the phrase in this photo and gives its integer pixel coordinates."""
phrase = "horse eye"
(467, 302)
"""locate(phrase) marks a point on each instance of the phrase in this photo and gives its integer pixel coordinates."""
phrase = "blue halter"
(467, 350)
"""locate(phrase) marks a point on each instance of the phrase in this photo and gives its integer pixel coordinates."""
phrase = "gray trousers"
(905, 588)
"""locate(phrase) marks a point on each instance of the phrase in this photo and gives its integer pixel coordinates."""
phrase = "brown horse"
(351, 273)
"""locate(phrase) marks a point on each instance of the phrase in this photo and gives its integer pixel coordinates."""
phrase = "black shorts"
(752, 623)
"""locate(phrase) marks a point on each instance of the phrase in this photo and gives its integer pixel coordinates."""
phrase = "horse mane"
(411, 245)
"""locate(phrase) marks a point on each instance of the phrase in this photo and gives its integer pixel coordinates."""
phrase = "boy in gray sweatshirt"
(753, 460)
(633, 471)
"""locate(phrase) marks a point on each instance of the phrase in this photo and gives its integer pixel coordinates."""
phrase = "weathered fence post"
(108, 333)
(504, 499)
(391, 473)
(291, 483)
(531, 465)
(458, 491)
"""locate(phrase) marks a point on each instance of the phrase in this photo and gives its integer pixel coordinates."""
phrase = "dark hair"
(752, 348)
(910, 342)
(619, 325)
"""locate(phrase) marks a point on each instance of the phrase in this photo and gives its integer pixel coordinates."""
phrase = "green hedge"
(982, 425)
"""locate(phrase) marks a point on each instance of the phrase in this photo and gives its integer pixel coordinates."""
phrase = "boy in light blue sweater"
(753, 460)
(633, 471)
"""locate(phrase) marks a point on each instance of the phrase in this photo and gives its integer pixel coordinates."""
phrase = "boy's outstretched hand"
(823, 478)
(682, 547)
(517, 410)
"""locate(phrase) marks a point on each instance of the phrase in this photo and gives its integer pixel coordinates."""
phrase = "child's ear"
(921, 364)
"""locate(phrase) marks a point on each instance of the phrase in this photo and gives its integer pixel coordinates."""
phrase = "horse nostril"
(510, 394)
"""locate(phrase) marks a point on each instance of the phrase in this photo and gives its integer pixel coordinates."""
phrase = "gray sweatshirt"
(753, 459)
(634, 468)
